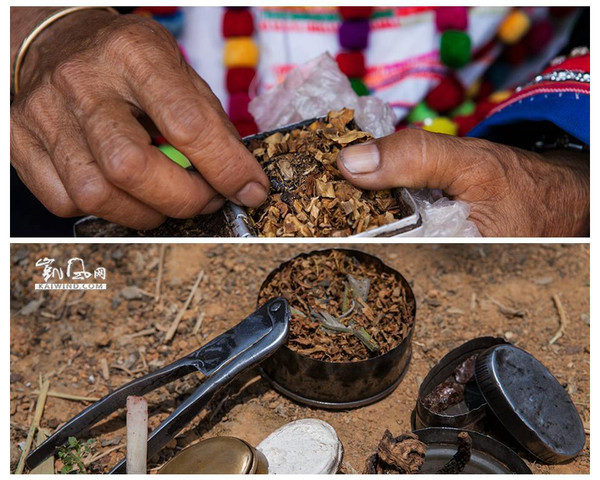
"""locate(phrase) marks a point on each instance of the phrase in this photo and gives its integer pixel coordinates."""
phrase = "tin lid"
(307, 446)
(530, 403)
(219, 455)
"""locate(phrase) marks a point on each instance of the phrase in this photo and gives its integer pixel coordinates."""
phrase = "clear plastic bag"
(312, 90)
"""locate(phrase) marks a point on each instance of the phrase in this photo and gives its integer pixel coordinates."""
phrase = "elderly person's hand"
(511, 192)
(93, 85)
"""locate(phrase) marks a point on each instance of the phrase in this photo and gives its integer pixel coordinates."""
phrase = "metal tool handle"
(246, 344)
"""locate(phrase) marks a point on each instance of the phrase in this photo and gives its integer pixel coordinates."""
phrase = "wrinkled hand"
(88, 84)
(511, 192)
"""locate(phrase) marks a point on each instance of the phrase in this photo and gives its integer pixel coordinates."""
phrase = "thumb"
(414, 158)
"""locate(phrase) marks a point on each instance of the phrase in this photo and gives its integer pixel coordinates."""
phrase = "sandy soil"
(462, 291)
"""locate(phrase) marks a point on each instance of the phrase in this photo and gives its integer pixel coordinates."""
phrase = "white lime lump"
(307, 446)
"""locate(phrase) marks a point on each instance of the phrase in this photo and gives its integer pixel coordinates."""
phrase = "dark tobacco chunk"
(447, 393)
(342, 310)
(465, 371)
(462, 456)
(403, 454)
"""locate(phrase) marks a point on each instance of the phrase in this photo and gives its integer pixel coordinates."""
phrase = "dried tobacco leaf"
(447, 393)
(403, 454)
(465, 371)
(462, 456)
(330, 321)
(309, 196)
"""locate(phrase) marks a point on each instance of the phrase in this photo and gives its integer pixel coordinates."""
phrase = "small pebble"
(131, 293)
(509, 335)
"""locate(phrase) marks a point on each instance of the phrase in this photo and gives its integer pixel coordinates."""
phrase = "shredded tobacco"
(343, 310)
(309, 196)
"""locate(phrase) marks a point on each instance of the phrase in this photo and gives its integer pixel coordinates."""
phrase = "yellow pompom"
(473, 89)
(441, 125)
(514, 27)
(240, 52)
(499, 96)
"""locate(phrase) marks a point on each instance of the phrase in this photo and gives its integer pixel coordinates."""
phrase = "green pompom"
(455, 48)
(359, 87)
(420, 113)
(175, 155)
(465, 108)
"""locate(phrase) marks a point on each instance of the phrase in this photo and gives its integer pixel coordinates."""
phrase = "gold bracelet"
(39, 29)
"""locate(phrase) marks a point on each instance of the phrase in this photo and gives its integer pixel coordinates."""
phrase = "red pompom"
(538, 37)
(451, 18)
(238, 79)
(238, 23)
(352, 64)
(238, 107)
(246, 128)
(349, 13)
(162, 11)
(516, 54)
(485, 90)
(448, 94)
(465, 123)
(483, 108)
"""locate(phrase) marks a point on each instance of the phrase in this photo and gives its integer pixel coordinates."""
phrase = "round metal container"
(487, 456)
(219, 455)
(340, 385)
(461, 415)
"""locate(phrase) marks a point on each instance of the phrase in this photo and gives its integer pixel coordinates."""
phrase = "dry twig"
(161, 261)
(198, 325)
(173, 328)
(508, 311)
(562, 318)
(39, 410)
(68, 396)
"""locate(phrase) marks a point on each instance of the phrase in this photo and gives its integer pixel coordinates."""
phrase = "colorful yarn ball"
(455, 48)
(238, 79)
(420, 113)
(465, 108)
(246, 128)
(240, 52)
(500, 96)
(514, 27)
(441, 125)
(354, 34)
(351, 13)
(538, 37)
(359, 87)
(165, 11)
(238, 108)
(352, 64)
(448, 94)
(451, 18)
(483, 108)
(486, 88)
(237, 23)
(465, 123)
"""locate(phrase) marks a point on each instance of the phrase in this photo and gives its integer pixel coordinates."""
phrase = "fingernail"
(252, 195)
(360, 158)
